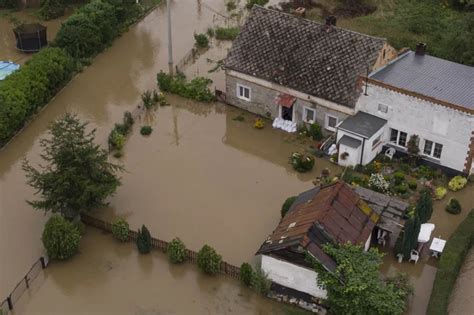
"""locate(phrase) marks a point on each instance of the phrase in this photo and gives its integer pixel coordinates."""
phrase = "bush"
(412, 184)
(176, 251)
(315, 132)
(51, 9)
(401, 189)
(120, 230)
(251, 3)
(259, 123)
(116, 140)
(440, 192)
(197, 89)
(457, 183)
(231, 5)
(146, 130)
(378, 183)
(150, 99)
(208, 260)
(60, 238)
(261, 283)
(246, 274)
(8, 4)
(424, 206)
(449, 265)
(226, 33)
(287, 205)
(398, 178)
(302, 162)
(201, 40)
(25, 91)
(144, 240)
(453, 206)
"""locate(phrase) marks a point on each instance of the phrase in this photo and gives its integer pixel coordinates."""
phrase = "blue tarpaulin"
(6, 68)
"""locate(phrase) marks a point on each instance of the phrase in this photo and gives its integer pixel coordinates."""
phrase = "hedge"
(449, 265)
(25, 91)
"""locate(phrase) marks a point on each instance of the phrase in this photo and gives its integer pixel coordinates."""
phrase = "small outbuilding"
(30, 37)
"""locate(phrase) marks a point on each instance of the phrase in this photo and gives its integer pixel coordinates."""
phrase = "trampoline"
(6, 68)
(30, 37)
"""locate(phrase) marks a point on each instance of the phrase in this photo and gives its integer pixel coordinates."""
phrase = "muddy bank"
(108, 277)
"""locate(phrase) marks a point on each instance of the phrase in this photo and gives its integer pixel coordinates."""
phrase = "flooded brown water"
(201, 175)
(462, 298)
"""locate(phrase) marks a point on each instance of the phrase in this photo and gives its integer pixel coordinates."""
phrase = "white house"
(329, 214)
(417, 94)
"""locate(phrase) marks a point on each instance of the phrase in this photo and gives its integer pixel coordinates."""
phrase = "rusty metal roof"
(333, 213)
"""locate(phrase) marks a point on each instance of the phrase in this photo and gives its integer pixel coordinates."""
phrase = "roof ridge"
(256, 6)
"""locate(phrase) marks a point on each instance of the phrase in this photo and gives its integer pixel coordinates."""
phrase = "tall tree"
(409, 236)
(77, 176)
(355, 286)
(424, 206)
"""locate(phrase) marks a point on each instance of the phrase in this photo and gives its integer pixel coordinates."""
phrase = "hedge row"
(26, 90)
(449, 265)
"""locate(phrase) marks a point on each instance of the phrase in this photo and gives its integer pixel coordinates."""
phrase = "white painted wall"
(354, 155)
(447, 126)
(292, 276)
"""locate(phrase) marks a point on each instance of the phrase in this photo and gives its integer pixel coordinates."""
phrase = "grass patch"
(226, 33)
(449, 265)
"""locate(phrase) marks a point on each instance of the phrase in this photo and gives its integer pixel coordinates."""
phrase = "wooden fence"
(191, 256)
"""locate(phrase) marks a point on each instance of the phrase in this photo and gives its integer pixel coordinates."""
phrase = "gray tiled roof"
(363, 124)
(350, 142)
(438, 78)
(304, 55)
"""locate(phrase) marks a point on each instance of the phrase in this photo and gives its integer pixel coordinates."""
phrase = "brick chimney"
(420, 49)
(331, 20)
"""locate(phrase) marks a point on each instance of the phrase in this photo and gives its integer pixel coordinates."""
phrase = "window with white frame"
(309, 115)
(398, 137)
(331, 122)
(432, 149)
(383, 108)
(376, 142)
(243, 92)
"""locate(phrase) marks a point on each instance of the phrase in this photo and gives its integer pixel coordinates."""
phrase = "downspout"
(362, 153)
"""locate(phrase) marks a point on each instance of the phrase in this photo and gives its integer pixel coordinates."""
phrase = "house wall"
(263, 94)
(292, 276)
(450, 127)
(353, 158)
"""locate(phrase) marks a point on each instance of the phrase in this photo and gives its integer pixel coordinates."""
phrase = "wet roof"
(363, 124)
(430, 76)
(333, 213)
(350, 142)
(323, 61)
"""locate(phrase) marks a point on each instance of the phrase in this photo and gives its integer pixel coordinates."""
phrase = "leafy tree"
(77, 176)
(120, 230)
(424, 206)
(144, 240)
(246, 274)
(355, 286)
(51, 9)
(208, 260)
(60, 238)
(176, 251)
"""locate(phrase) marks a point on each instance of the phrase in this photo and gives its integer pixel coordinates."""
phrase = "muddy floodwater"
(202, 175)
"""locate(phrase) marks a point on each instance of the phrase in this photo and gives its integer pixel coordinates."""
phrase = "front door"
(287, 113)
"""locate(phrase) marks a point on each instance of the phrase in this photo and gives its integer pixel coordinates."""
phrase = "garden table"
(437, 246)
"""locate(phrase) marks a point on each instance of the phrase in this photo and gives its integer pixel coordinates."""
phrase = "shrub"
(259, 123)
(120, 230)
(60, 238)
(457, 183)
(449, 265)
(412, 184)
(315, 132)
(424, 206)
(146, 130)
(147, 99)
(261, 283)
(116, 140)
(51, 9)
(401, 189)
(287, 205)
(208, 260)
(453, 206)
(440, 192)
(246, 274)
(398, 178)
(201, 40)
(196, 89)
(176, 251)
(425, 172)
(8, 4)
(302, 162)
(231, 5)
(25, 91)
(144, 240)
(251, 3)
(226, 33)
(378, 183)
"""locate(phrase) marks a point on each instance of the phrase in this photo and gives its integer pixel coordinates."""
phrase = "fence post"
(9, 302)
(43, 262)
(27, 282)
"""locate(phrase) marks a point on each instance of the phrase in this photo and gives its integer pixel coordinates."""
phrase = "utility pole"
(170, 46)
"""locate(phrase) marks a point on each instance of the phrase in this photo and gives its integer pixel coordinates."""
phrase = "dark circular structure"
(30, 37)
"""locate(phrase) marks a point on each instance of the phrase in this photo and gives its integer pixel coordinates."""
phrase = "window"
(376, 142)
(331, 122)
(383, 108)
(432, 149)
(398, 137)
(243, 92)
(309, 115)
